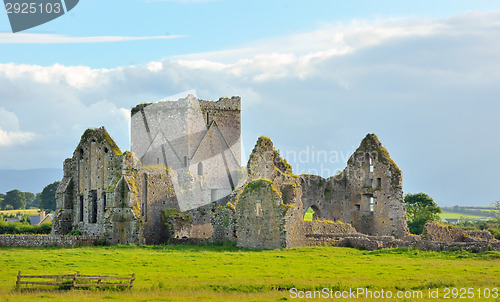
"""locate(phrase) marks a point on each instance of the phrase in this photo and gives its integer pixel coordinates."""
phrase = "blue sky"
(313, 76)
(204, 25)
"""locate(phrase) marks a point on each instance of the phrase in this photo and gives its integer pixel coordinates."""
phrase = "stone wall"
(98, 194)
(47, 241)
(268, 207)
(260, 217)
(157, 194)
(434, 231)
(367, 242)
(327, 228)
(224, 223)
(367, 194)
(366, 197)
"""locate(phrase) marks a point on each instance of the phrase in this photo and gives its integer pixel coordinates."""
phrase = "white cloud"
(8, 120)
(10, 133)
(30, 38)
(8, 138)
(155, 66)
(412, 81)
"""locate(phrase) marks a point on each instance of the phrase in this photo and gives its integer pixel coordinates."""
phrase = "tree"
(48, 196)
(420, 209)
(2, 197)
(30, 200)
(495, 213)
(16, 199)
(37, 200)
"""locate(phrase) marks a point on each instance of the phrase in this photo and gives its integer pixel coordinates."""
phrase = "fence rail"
(75, 281)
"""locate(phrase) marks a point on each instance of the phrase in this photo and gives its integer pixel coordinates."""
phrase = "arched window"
(200, 168)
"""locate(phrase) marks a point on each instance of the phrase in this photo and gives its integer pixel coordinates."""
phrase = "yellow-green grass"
(193, 273)
(308, 216)
(31, 212)
(452, 215)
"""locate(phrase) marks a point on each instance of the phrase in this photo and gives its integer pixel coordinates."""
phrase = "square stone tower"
(198, 141)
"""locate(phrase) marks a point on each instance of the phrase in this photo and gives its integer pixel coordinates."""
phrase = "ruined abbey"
(183, 179)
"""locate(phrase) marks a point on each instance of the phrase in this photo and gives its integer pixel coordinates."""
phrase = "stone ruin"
(186, 154)
(183, 180)
(268, 209)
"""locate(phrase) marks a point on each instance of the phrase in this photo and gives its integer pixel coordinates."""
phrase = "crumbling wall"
(224, 223)
(98, 194)
(326, 227)
(202, 222)
(156, 194)
(434, 231)
(272, 191)
(374, 182)
(260, 216)
(367, 194)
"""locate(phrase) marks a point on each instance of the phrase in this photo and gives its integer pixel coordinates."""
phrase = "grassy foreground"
(227, 273)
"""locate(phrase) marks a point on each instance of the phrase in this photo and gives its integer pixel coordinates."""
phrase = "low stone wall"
(434, 231)
(479, 235)
(366, 242)
(325, 227)
(47, 241)
(475, 247)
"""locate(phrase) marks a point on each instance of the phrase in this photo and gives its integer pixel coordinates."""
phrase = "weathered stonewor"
(366, 197)
(184, 182)
(367, 194)
(188, 156)
(479, 246)
(437, 237)
(434, 231)
(47, 241)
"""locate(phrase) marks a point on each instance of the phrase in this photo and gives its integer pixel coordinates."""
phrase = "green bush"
(495, 232)
(20, 228)
(75, 233)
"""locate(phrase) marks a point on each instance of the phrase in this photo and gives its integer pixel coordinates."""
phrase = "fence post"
(132, 280)
(74, 280)
(18, 279)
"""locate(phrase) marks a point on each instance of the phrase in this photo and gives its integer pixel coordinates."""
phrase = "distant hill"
(33, 180)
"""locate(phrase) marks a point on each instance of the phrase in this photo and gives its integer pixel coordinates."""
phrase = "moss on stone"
(138, 108)
(259, 183)
(101, 136)
(171, 216)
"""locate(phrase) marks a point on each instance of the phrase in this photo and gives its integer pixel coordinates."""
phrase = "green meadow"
(228, 273)
(452, 215)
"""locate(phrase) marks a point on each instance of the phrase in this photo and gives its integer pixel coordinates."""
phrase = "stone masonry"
(189, 156)
(183, 180)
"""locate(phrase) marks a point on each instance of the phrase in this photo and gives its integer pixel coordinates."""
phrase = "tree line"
(17, 200)
(421, 208)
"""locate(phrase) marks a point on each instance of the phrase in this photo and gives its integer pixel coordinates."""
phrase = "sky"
(314, 76)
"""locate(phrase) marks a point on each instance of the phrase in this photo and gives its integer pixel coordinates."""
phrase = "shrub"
(20, 228)
(75, 233)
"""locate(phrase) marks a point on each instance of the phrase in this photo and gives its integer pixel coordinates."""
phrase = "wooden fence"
(75, 281)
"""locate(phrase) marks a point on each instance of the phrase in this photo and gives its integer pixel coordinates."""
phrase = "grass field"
(462, 216)
(452, 215)
(210, 273)
(31, 212)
